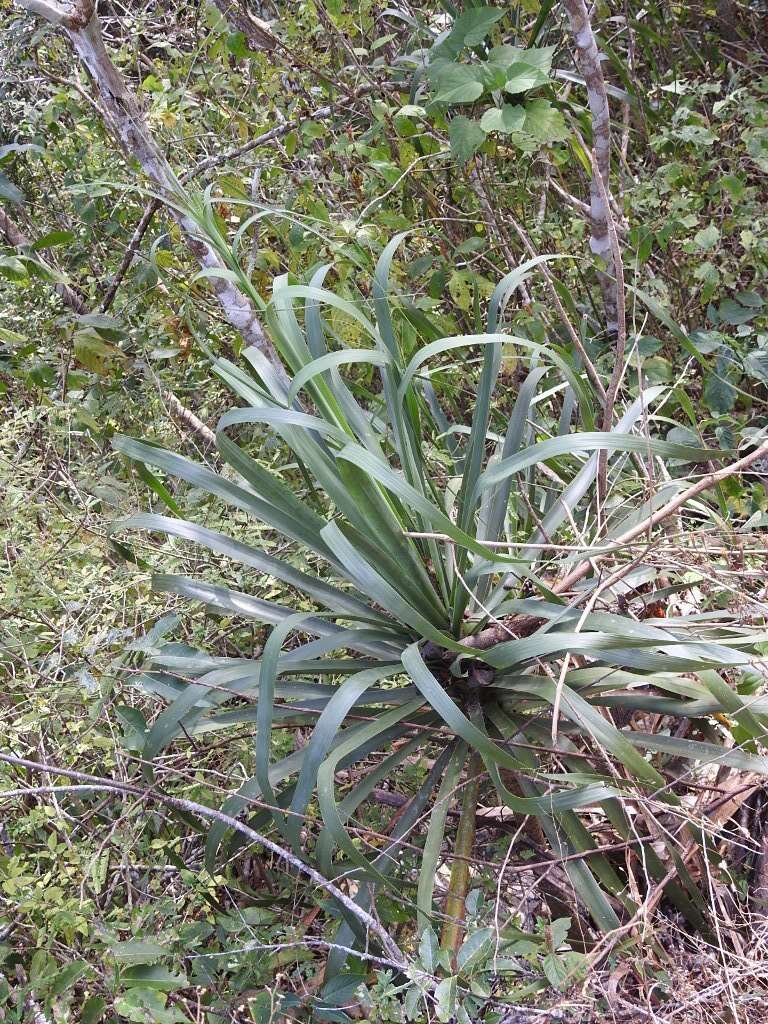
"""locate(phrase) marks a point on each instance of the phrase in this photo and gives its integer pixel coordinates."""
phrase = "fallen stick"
(95, 783)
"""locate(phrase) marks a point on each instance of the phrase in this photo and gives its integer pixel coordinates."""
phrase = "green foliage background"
(113, 915)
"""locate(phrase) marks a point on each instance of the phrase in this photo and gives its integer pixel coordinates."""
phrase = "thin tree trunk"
(455, 902)
(126, 121)
(588, 62)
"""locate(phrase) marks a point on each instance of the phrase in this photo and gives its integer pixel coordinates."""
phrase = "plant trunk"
(455, 901)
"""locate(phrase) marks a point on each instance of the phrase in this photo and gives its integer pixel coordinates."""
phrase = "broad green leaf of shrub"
(13, 268)
(148, 1006)
(756, 365)
(455, 83)
(445, 999)
(707, 238)
(507, 119)
(719, 394)
(466, 137)
(153, 976)
(734, 313)
(136, 951)
(9, 191)
(538, 58)
(523, 76)
(544, 123)
(469, 29)
(93, 352)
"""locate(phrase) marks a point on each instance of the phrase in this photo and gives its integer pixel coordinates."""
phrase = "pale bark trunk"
(588, 61)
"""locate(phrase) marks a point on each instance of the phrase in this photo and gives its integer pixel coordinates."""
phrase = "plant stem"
(455, 901)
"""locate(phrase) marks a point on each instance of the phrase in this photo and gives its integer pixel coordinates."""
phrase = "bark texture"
(588, 62)
(125, 120)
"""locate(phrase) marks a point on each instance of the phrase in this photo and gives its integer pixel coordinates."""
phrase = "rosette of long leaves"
(395, 509)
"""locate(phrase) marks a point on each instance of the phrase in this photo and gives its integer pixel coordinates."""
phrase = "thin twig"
(130, 253)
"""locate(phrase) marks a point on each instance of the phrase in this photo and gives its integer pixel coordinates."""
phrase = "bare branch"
(704, 484)
(187, 418)
(130, 253)
(278, 132)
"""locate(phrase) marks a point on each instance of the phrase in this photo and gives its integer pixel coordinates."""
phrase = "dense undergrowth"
(118, 907)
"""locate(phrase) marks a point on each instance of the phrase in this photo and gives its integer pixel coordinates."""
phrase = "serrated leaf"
(99, 869)
(507, 119)
(555, 970)
(466, 137)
